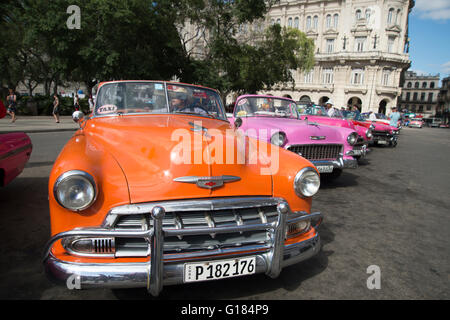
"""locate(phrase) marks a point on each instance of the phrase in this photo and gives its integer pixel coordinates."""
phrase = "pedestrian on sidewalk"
(76, 102)
(11, 101)
(56, 107)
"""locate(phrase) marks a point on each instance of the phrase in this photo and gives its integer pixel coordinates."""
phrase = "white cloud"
(432, 9)
(445, 68)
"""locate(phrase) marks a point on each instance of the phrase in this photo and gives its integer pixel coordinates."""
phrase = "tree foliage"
(145, 39)
(248, 61)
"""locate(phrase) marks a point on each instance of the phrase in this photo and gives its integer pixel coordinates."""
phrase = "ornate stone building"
(420, 93)
(361, 50)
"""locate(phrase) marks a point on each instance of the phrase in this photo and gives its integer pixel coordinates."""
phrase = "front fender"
(82, 153)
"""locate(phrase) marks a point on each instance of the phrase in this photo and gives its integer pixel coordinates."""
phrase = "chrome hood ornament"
(207, 182)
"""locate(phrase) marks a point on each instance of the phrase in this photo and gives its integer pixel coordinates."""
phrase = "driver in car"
(178, 103)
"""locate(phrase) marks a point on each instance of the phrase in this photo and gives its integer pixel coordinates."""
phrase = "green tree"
(235, 58)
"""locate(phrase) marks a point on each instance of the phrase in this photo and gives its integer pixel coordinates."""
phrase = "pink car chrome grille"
(317, 151)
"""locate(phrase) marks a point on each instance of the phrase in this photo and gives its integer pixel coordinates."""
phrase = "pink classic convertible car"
(382, 133)
(15, 150)
(318, 114)
(276, 120)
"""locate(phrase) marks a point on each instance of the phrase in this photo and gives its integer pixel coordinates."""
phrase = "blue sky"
(429, 33)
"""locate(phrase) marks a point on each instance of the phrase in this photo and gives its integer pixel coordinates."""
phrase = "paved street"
(391, 212)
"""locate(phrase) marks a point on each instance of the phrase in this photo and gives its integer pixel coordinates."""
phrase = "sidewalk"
(33, 124)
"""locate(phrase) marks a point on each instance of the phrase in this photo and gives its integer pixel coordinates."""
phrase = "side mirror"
(237, 123)
(78, 117)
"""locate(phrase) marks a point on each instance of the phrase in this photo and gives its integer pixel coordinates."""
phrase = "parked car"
(381, 132)
(15, 151)
(277, 121)
(318, 114)
(435, 122)
(416, 123)
(131, 205)
(382, 118)
(444, 125)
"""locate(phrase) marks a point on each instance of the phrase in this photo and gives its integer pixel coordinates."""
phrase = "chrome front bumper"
(359, 151)
(339, 163)
(160, 271)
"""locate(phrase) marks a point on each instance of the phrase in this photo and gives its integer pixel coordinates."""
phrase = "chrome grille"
(317, 151)
(197, 219)
(380, 133)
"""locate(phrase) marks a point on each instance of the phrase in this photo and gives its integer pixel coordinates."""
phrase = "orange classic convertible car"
(157, 188)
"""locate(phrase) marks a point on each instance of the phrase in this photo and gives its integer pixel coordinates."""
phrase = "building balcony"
(371, 56)
(356, 88)
(311, 87)
(390, 90)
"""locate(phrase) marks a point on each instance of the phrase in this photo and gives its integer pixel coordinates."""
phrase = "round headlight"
(369, 133)
(352, 138)
(278, 139)
(75, 190)
(307, 182)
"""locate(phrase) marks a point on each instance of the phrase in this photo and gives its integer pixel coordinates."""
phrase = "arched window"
(416, 85)
(390, 16)
(296, 23)
(308, 23)
(290, 22)
(358, 14)
(335, 21)
(431, 85)
(424, 84)
(367, 14)
(397, 16)
(279, 21)
(328, 21)
(409, 85)
(315, 22)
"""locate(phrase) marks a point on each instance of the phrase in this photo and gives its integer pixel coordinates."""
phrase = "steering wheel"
(192, 107)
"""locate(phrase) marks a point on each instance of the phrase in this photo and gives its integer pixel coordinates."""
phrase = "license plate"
(382, 142)
(325, 169)
(212, 270)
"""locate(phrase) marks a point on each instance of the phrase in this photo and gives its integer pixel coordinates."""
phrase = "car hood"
(153, 150)
(297, 131)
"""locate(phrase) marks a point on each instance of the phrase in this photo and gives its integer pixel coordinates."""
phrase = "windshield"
(265, 106)
(157, 98)
(354, 115)
(381, 116)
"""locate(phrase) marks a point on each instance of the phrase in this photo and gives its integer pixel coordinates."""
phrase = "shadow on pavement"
(290, 279)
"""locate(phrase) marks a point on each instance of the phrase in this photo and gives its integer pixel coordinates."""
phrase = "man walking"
(395, 116)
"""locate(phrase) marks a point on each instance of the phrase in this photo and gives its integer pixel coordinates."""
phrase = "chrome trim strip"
(16, 151)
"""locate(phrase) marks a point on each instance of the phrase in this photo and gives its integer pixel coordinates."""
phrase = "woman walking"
(56, 108)
(11, 101)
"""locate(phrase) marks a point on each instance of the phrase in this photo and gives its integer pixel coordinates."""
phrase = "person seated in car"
(178, 103)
